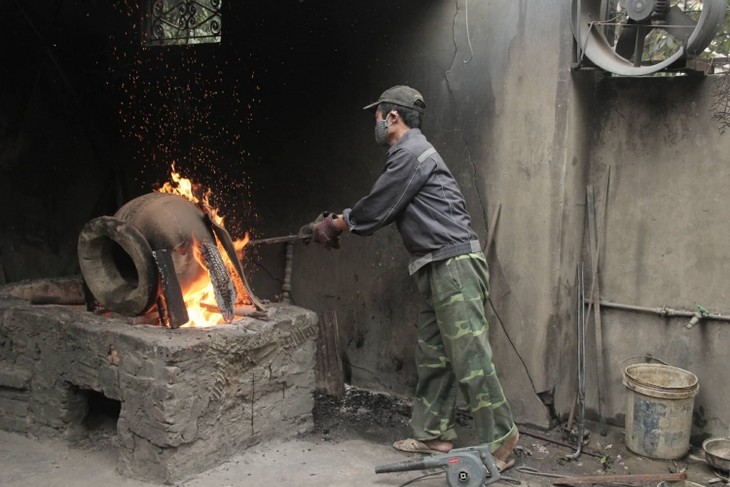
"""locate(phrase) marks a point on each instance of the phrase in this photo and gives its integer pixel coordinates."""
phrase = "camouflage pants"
(454, 353)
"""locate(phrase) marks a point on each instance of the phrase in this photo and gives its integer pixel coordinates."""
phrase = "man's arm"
(403, 178)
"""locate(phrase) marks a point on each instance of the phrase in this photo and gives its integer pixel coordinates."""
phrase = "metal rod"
(558, 442)
(596, 239)
(581, 345)
(275, 240)
(634, 478)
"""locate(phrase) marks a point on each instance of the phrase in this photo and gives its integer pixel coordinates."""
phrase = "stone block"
(14, 377)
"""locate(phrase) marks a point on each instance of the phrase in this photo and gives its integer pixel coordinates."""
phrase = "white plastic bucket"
(659, 405)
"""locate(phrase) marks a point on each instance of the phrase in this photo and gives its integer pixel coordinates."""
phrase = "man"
(418, 192)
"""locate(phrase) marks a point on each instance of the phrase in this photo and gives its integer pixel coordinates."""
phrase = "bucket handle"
(647, 357)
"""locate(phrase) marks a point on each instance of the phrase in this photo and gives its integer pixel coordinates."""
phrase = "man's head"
(404, 100)
(397, 110)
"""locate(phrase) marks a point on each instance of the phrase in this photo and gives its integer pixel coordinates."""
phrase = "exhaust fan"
(638, 37)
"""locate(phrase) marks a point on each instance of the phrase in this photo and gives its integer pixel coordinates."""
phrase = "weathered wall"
(665, 237)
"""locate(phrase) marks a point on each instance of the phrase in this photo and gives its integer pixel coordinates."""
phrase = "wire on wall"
(468, 36)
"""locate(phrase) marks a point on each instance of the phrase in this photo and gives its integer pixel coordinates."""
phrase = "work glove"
(326, 231)
(308, 229)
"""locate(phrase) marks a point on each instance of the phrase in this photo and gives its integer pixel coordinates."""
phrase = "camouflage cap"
(400, 95)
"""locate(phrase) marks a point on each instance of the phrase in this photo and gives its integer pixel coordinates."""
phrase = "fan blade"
(631, 40)
(626, 40)
(642, 31)
(679, 24)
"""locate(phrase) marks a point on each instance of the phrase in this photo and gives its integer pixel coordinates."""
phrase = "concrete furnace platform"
(187, 399)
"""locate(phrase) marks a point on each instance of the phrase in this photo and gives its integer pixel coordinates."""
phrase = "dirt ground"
(351, 438)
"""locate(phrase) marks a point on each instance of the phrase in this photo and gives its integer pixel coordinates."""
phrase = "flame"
(187, 189)
(200, 298)
(241, 243)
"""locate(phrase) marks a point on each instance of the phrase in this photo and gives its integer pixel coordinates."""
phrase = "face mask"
(381, 131)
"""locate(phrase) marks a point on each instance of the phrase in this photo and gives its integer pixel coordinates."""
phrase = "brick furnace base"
(189, 398)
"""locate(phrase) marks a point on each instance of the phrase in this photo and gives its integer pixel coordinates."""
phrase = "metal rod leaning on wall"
(581, 347)
(492, 228)
(595, 240)
(695, 316)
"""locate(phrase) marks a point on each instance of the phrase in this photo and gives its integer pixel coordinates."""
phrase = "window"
(181, 22)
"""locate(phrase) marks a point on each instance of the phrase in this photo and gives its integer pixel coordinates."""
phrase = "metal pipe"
(695, 316)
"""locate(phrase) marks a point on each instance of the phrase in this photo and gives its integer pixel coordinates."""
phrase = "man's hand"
(308, 229)
(327, 231)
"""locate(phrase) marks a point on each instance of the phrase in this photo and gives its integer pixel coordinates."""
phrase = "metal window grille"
(182, 22)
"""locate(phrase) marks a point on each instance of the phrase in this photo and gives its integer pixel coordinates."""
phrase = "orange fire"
(200, 298)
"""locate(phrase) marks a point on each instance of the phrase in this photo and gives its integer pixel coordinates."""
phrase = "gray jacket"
(418, 192)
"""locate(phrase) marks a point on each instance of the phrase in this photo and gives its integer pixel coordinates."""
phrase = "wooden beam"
(330, 376)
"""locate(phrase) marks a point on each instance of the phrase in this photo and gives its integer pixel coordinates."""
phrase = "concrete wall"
(514, 136)
(285, 91)
(665, 238)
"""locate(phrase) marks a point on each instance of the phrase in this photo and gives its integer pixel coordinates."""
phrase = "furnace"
(187, 399)
(162, 330)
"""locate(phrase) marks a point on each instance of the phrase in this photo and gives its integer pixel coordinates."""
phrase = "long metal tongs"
(581, 345)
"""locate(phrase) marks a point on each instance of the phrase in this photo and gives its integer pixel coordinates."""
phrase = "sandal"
(411, 445)
(504, 465)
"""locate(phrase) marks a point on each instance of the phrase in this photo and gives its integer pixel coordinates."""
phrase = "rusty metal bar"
(632, 478)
